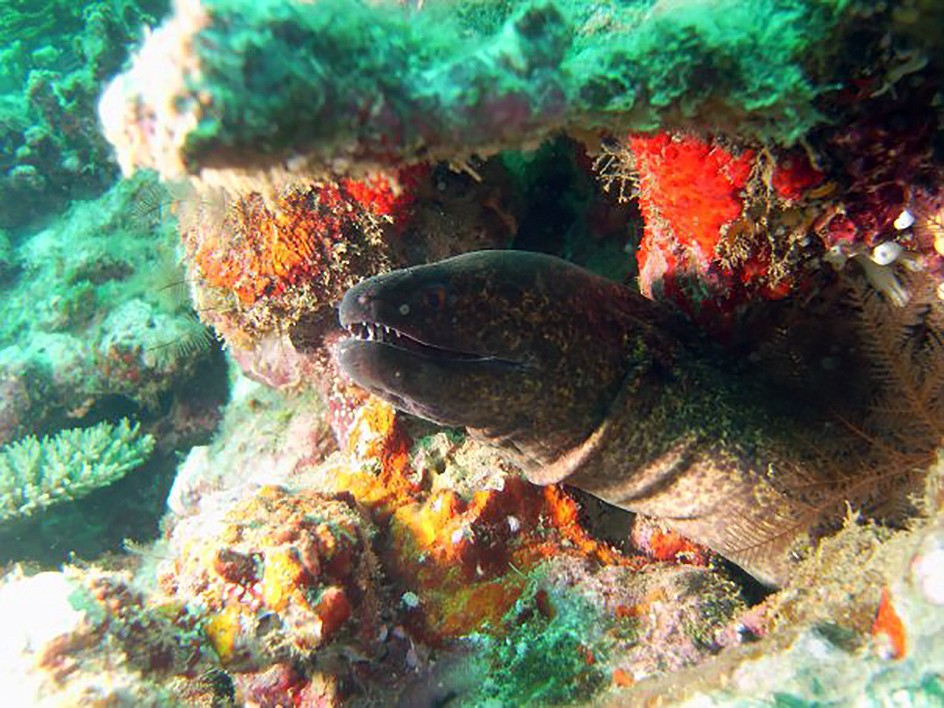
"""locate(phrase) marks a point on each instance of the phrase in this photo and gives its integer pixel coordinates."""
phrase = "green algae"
(338, 79)
(723, 65)
(546, 657)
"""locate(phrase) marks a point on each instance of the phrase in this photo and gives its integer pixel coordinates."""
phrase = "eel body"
(581, 380)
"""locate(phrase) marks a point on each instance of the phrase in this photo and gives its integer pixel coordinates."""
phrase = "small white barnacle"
(513, 524)
(404, 309)
(836, 257)
(882, 277)
(904, 220)
(410, 600)
(886, 253)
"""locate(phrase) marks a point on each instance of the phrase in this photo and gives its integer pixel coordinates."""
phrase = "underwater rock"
(14, 407)
(336, 86)
(98, 640)
(608, 631)
(25, 634)
(577, 630)
(263, 439)
(94, 330)
(8, 265)
(505, 573)
(285, 574)
(760, 224)
(258, 265)
(829, 635)
(701, 249)
(94, 314)
(462, 550)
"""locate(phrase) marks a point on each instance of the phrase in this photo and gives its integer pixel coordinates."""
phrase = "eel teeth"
(371, 332)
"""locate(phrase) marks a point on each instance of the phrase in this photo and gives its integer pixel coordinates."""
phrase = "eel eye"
(434, 297)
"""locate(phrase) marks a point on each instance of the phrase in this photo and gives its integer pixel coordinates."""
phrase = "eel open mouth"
(382, 334)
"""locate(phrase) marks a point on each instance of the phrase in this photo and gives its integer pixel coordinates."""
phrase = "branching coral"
(35, 474)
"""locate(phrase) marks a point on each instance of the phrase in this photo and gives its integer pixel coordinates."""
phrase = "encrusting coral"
(400, 554)
(421, 570)
(259, 264)
(280, 592)
(727, 223)
(36, 474)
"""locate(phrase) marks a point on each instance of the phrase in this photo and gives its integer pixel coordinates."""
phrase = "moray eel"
(580, 380)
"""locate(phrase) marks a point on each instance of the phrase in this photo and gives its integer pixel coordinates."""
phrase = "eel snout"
(374, 316)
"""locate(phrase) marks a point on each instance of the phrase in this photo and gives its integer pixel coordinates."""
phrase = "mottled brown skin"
(580, 380)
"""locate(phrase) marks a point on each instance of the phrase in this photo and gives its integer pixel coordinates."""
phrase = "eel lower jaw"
(414, 376)
(393, 373)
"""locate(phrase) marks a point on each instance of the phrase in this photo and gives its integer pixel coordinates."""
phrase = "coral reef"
(730, 220)
(304, 590)
(35, 474)
(561, 649)
(52, 68)
(480, 556)
(730, 213)
(276, 593)
(93, 313)
(95, 329)
(775, 169)
(859, 624)
(414, 584)
(461, 529)
(690, 193)
(258, 267)
(726, 225)
(100, 641)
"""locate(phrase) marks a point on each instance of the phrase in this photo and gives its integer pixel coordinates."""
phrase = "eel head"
(526, 350)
